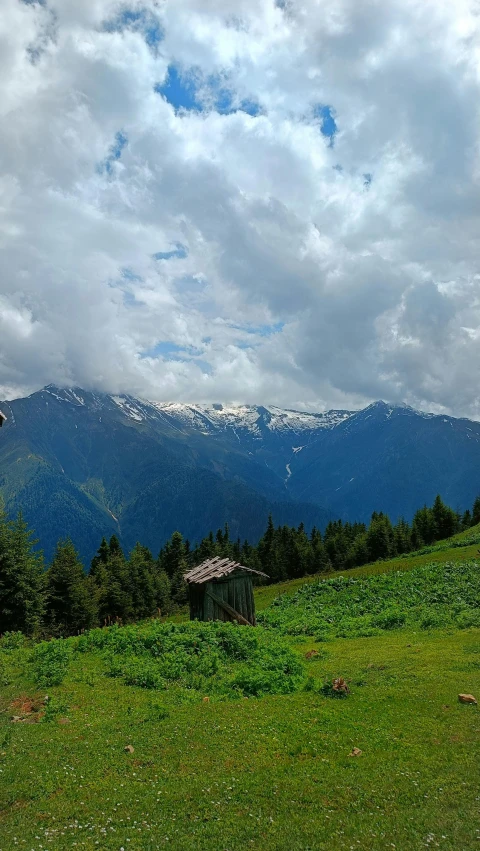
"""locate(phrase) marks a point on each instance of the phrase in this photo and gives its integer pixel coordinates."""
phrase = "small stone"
(16, 719)
(355, 752)
(129, 749)
(467, 698)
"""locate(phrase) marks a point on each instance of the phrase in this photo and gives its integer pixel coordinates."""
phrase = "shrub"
(214, 658)
(12, 641)
(50, 662)
(391, 618)
(468, 618)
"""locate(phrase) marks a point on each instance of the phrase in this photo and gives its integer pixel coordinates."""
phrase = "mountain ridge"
(84, 463)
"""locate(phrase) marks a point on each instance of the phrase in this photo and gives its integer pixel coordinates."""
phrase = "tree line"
(64, 600)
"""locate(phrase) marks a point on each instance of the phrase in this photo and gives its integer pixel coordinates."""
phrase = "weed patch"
(432, 596)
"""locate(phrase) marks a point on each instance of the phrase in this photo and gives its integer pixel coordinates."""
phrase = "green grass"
(271, 773)
(216, 767)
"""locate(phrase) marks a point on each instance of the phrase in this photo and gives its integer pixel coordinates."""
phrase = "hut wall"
(235, 590)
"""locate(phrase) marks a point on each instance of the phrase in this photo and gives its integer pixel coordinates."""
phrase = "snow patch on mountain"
(249, 418)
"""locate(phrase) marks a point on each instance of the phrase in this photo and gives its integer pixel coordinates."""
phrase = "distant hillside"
(85, 464)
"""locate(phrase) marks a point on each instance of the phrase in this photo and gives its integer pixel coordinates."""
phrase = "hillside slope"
(393, 459)
(461, 548)
(84, 465)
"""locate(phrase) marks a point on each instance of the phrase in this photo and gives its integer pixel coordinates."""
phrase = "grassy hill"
(239, 740)
(462, 547)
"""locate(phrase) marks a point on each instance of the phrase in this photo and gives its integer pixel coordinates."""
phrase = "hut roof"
(216, 568)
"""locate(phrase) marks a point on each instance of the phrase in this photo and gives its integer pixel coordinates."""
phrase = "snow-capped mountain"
(252, 419)
(85, 464)
(208, 419)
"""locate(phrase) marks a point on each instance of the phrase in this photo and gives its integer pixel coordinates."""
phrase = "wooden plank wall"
(237, 591)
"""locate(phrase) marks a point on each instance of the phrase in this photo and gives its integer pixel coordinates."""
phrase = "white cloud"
(304, 282)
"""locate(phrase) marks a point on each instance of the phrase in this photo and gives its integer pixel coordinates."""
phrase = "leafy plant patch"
(218, 659)
(434, 595)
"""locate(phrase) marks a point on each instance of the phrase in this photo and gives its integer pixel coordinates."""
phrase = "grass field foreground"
(271, 773)
(236, 738)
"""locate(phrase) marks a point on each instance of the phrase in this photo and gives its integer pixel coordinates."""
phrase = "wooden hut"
(221, 590)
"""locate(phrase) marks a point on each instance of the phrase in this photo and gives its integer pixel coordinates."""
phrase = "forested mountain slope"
(86, 464)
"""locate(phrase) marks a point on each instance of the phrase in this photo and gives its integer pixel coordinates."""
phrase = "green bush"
(391, 618)
(50, 662)
(12, 641)
(216, 658)
(468, 618)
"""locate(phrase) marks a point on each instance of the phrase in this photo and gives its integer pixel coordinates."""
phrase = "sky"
(251, 201)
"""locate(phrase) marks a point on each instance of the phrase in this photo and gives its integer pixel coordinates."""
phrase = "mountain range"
(85, 464)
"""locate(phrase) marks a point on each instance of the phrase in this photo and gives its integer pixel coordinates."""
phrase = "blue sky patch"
(170, 350)
(328, 125)
(187, 90)
(179, 252)
(114, 154)
(204, 366)
(128, 275)
(267, 330)
(179, 90)
(129, 299)
(140, 20)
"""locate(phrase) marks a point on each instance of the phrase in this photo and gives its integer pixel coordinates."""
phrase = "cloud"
(242, 201)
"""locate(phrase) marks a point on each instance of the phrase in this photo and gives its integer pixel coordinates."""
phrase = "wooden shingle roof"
(216, 568)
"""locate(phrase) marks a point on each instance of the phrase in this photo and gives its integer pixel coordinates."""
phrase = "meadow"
(237, 739)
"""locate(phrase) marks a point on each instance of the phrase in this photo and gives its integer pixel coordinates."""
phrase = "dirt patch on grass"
(28, 709)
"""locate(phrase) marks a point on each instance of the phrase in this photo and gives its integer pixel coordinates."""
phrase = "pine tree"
(109, 572)
(320, 560)
(119, 598)
(446, 521)
(466, 519)
(162, 590)
(179, 587)
(205, 550)
(70, 596)
(476, 512)
(141, 577)
(423, 527)
(274, 551)
(173, 555)
(100, 559)
(22, 590)
(99, 578)
(380, 538)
